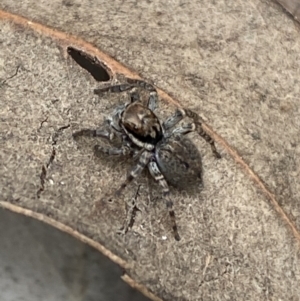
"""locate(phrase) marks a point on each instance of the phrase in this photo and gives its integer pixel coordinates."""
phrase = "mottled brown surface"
(292, 6)
(235, 63)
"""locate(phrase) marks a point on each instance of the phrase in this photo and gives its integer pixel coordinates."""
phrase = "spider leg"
(107, 133)
(157, 175)
(113, 89)
(131, 83)
(181, 130)
(184, 129)
(135, 171)
(140, 83)
(134, 95)
(124, 150)
(174, 119)
(104, 132)
(199, 129)
(153, 98)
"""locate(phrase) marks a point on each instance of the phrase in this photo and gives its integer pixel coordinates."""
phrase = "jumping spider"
(170, 156)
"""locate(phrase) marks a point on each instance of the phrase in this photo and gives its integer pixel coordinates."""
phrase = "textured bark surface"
(235, 63)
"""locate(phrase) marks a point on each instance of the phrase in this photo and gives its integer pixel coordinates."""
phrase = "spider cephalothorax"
(141, 125)
(170, 156)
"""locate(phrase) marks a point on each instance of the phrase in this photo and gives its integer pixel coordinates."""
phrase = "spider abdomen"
(179, 161)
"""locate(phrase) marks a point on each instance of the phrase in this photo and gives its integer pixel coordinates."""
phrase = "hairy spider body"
(170, 156)
(179, 161)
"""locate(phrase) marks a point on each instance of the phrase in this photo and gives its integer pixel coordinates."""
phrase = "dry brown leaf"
(237, 64)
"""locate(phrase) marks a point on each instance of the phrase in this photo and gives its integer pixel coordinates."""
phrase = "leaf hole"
(90, 64)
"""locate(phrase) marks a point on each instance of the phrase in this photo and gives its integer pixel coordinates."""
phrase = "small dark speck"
(67, 3)
(256, 136)
(54, 100)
